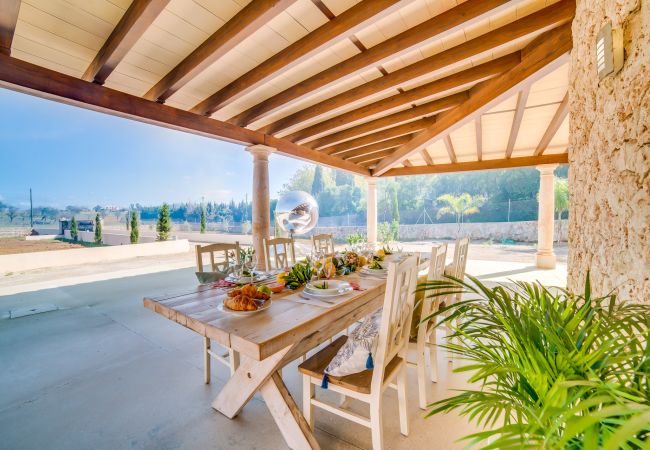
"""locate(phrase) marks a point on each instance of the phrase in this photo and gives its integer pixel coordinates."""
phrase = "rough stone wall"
(609, 153)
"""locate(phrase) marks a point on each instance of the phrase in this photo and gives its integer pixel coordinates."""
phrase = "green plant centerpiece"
(299, 275)
(553, 369)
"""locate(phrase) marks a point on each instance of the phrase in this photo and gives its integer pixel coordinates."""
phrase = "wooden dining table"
(268, 341)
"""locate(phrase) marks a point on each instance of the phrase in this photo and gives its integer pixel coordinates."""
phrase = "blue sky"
(73, 156)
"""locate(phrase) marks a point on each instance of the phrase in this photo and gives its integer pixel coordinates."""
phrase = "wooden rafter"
(451, 82)
(371, 138)
(479, 165)
(419, 111)
(373, 156)
(32, 79)
(253, 16)
(135, 21)
(450, 149)
(407, 163)
(339, 28)
(377, 146)
(8, 21)
(555, 124)
(478, 128)
(541, 56)
(442, 25)
(426, 157)
(522, 98)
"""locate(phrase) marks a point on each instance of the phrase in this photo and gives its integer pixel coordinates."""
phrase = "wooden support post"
(261, 208)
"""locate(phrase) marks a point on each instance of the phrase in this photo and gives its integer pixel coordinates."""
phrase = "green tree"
(561, 194)
(203, 221)
(98, 229)
(135, 234)
(163, 225)
(127, 218)
(74, 231)
(12, 212)
(318, 185)
(460, 206)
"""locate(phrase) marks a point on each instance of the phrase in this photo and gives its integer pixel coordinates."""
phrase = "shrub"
(135, 233)
(163, 226)
(203, 220)
(74, 230)
(98, 229)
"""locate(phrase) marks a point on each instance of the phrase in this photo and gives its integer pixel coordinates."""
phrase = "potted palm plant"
(553, 369)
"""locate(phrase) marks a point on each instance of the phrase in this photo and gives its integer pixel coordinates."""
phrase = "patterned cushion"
(356, 355)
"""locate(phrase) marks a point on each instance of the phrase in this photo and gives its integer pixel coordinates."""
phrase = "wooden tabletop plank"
(260, 335)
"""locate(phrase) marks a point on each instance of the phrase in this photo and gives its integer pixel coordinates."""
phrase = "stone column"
(545, 257)
(372, 210)
(261, 222)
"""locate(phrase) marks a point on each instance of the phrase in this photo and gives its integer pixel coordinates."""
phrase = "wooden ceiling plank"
(478, 127)
(246, 22)
(378, 136)
(377, 146)
(29, 78)
(540, 57)
(372, 156)
(135, 21)
(450, 149)
(522, 98)
(416, 112)
(550, 16)
(489, 164)
(339, 28)
(471, 75)
(555, 124)
(437, 27)
(8, 21)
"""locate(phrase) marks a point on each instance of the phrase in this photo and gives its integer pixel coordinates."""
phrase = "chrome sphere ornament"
(296, 212)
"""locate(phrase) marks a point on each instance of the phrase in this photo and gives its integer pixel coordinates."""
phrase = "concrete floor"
(103, 372)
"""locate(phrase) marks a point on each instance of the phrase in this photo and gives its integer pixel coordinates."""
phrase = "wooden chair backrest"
(396, 316)
(221, 266)
(283, 250)
(436, 272)
(323, 243)
(459, 264)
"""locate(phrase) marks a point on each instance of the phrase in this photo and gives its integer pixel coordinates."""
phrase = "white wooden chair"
(426, 362)
(389, 361)
(283, 251)
(231, 358)
(456, 269)
(323, 243)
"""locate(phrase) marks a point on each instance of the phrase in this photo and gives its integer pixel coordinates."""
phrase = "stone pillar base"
(545, 260)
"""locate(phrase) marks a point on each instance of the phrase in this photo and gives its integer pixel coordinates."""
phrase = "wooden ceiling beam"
(377, 146)
(246, 22)
(450, 149)
(377, 136)
(426, 157)
(478, 128)
(437, 27)
(451, 82)
(8, 21)
(419, 111)
(135, 21)
(539, 21)
(555, 124)
(337, 29)
(540, 57)
(29, 78)
(373, 156)
(522, 98)
(478, 165)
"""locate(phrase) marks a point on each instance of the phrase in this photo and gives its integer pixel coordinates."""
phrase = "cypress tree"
(395, 223)
(203, 221)
(127, 219)
(98, 229)
(163, 226)
(135, 234)
(74, 232)
(318, 185)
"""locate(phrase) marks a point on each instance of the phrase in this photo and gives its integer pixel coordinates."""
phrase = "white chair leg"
(233, 357)
(308, 393)
(423, 381)
(376, 427)
(206, 360)
(433, 356)
(402, 400)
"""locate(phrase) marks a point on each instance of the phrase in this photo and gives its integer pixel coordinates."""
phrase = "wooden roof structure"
(374, 87)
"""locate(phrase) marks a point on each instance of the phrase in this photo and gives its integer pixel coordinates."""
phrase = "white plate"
(325, 298)
(375, 273)
(383, 270)
(224, 308)
(244, 280)
(334, 286)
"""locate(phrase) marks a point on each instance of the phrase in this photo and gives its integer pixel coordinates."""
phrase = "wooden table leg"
(287, 415)
(248, 378)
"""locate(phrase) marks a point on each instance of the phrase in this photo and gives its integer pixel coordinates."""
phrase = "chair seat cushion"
(357, 382)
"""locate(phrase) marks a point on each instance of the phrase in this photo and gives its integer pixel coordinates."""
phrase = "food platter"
(257, 276)
(263, 307)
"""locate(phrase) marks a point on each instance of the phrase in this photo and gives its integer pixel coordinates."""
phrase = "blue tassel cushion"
(356, 355)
